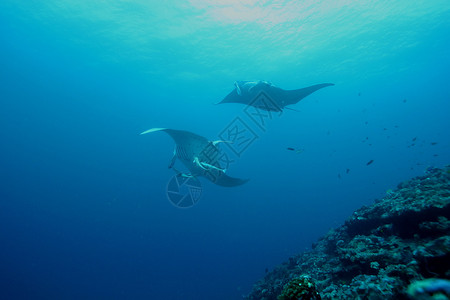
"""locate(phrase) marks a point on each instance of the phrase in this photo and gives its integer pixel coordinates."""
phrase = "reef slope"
(381, 249)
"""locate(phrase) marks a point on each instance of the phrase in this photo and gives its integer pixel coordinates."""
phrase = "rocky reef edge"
(397, 248)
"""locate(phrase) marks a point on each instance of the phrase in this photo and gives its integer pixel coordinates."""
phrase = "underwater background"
(84, 212)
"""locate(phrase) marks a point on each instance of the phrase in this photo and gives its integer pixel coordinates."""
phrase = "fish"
(296, 150)
(369, 162)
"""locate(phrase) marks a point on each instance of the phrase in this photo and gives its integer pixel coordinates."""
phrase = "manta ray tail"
(290, 108)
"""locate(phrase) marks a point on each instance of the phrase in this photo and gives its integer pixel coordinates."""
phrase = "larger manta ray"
(201, 156)
(248, 92)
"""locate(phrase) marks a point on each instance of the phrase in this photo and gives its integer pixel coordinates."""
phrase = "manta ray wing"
(183, 138)
(225, 180)
(234, 97)
(288, 97)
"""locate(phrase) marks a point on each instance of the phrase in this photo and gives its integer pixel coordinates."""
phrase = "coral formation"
(423, 289)
(300, 288)
(381, 249)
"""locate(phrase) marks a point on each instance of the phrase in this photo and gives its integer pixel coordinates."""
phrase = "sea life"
(430, 286)
(200, 156)
(300, 288)
(380, 251)
(369, 162)
(248, 92)
(298, 150)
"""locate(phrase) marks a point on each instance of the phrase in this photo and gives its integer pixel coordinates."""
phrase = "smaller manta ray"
(247, 92)
(200, 156)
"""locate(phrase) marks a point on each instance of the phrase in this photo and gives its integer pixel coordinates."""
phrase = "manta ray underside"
(264, 95)
(200, 156)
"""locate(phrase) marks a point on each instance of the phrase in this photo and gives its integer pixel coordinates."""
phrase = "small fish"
(347, 171)
(435, 155)
(414, 139)
(296, 150)
(369, 162)
(359, 94)
(404, 100)
(339, 176)
(433, 143)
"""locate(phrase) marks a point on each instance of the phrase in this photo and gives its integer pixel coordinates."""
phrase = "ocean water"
(84, 212)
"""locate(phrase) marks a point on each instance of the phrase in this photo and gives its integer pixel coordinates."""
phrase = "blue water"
(83, 206)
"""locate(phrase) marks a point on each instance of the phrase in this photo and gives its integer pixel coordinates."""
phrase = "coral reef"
(431, 288)
(300, 288)
(399, 241)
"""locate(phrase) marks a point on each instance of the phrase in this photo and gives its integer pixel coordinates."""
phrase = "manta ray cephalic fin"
(206, 166)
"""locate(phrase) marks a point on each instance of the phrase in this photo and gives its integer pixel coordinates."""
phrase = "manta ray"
(266, 96)
(200, 156)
